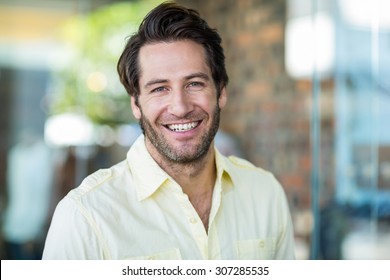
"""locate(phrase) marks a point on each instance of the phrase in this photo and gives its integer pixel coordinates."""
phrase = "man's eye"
(159, 89)
(195, 85)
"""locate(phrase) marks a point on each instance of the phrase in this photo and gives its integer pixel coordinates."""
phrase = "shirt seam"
(84, 188)
(91, 222)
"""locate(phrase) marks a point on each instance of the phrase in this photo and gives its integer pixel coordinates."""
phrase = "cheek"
(207, 104)
(151, 110)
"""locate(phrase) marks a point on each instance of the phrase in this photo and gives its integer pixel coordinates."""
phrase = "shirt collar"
(224, 168)
(149, 176)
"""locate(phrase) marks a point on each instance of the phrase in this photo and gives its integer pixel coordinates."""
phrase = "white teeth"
(182, 127)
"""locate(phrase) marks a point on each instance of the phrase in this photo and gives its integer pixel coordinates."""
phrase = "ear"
(222, 98)
(136, 110)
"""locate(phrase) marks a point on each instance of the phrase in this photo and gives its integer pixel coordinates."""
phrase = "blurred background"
(309, 99)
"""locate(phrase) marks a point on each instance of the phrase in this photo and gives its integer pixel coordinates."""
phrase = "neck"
(196, 179)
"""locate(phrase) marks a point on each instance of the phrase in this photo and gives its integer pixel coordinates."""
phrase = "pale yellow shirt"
(134, 210)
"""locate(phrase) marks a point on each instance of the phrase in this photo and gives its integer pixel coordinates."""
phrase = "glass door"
(348, 43)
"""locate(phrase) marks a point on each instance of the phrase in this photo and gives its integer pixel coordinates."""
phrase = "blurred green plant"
(89, 84)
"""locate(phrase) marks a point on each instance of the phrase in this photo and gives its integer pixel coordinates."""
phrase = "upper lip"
(180, 122)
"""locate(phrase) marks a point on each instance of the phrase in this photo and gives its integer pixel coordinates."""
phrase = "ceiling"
(29, 29)
(22, 20)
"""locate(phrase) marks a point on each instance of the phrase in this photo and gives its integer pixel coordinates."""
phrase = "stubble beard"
(179, 156)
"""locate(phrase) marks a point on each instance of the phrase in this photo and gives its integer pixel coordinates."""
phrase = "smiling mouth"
(182, 127)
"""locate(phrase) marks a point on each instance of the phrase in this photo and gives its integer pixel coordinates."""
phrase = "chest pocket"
(256, 249)
(173, 254)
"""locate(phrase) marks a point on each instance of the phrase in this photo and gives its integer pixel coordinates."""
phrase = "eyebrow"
(189, 77)
(155, 81)
(197, 75)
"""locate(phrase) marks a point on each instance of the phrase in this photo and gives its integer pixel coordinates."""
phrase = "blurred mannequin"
(29, 176)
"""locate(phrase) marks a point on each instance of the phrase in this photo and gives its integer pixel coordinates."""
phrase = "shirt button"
(261, 244)
(151, 258)
(193, 220)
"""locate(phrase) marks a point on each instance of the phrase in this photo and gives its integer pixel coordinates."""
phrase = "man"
(175, 196)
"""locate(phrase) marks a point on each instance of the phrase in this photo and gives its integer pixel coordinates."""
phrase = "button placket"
(194, 222)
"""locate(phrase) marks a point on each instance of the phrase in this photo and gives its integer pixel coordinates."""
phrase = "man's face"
(177, 106)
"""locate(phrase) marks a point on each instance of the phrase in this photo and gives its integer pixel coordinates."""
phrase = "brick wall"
(268, 112)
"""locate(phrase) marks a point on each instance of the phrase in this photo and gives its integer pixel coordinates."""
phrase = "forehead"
(172, 60)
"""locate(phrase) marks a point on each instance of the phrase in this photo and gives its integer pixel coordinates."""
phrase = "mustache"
(190, 117)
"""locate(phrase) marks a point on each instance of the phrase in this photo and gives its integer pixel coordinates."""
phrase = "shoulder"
(94, 182)
(240, 165)
(245, 173)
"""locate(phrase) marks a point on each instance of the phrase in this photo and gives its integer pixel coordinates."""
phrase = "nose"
(180, 104)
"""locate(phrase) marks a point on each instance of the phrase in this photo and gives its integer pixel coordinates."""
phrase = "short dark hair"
(166, 23)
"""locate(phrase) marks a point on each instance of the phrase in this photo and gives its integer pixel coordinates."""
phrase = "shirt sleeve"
(72, 234)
